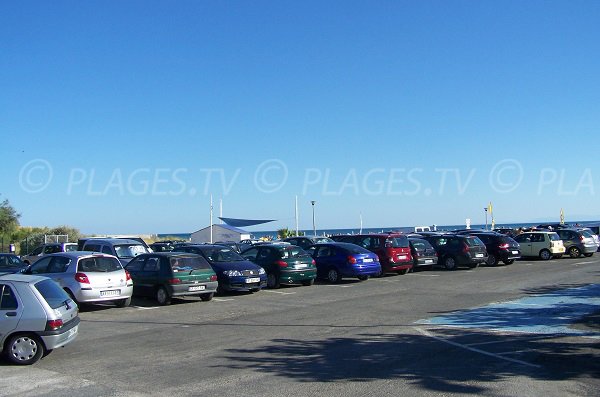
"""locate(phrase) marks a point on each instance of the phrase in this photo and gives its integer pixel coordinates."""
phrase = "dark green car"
(164, 275)
(284, 263)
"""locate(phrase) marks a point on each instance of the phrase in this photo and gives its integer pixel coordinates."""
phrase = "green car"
(284, 263)
(164, 275)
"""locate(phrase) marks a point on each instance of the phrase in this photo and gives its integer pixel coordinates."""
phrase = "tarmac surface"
(528, 329)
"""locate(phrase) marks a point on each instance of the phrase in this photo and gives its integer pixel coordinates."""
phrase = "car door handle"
(11, 314)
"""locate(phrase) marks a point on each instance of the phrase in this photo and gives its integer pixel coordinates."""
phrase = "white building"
(220, 233)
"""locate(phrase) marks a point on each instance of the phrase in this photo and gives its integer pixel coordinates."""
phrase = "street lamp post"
(486, 224)
(313, 213)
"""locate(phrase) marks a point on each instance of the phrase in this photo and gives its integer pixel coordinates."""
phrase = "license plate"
(72, 331)
(301, 265)
(428, 260)
(197, 288)
(401, 256)
(479, 255)
(367, 260)
(253, 280)
(114, 292)
(515, 252)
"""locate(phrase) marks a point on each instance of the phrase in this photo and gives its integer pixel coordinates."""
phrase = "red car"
(393, 249)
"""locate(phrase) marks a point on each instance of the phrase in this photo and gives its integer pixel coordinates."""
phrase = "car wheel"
(162, 296)
(272, 281)
(588, 255)
(574, 252)
(492, 260)
(403, 272)
(123, 302)
(509, 261)
(333, 276)
(545, 255)
(363, 278)
(207, 297)
(449, 263)
(308, 283)
(24, 349)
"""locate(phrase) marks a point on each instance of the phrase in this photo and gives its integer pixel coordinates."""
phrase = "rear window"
(189, 263)
(70, 247)
(129, 250)
(292, 252)
(99, 264)
(396, 242)
(554, 236)
(421, 245)
(52, 293)
(222, 255)
(473, 241)
(587, 233)
(322, 240)
(507, 240)
(356, 249)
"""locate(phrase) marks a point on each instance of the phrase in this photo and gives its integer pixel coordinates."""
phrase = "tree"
(9, 218)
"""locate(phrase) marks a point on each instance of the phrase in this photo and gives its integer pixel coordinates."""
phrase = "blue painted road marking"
(551, 313)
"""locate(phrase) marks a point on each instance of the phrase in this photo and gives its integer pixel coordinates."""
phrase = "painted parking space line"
(338, 286)
(546, 314)
(424, 275)
(278, 292)
(583, 263)
(144, 308)
(223, 299)
(475, 350)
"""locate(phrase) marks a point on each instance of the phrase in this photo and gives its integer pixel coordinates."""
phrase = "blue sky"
(124, 117)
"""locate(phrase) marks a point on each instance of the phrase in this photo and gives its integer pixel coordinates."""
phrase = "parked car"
(305, 242)
(542, 244)
(87, 277)
(237, 247)
(234, 272)
(578, 242)
(161, 247)
(392, 249)
(165, 275)
(499, 247)
(81, 242)
(47, 249)
(456, 250)
(37, 317)
(283, 263)
(10, 263)
(124, 249)
(335, 261)
(422, 252)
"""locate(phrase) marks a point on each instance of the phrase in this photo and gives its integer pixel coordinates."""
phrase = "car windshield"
(292, 252)
(222, 255)
(189, 263)
(396, 242)
(554, 236)
(70, 247)
(100, 264)
(129, 250)
(52, 293)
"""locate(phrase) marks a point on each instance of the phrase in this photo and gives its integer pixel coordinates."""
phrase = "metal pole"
(211, 219)
(313, 214)
(486, 225)
(296, 213)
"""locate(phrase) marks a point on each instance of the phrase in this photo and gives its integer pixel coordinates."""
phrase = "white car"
(544, 245)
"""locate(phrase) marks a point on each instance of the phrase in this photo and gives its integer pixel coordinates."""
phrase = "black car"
(499, 247)
(10, 263)
(306, 242)
(423, 253)
(161, 247)
(233, 271)
(457, 250)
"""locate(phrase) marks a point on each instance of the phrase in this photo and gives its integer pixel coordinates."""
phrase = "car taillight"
(503, 246)
(377, 258)
(313, 262)
(53, 325)
(582, 238)
(127, 276)
(465, 248)
(351, 260)
(174, 281)
(213, 277)
(82, 278)
(281, 264)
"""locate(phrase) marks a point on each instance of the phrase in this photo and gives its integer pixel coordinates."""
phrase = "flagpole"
(211, 219)
(361, 223)
(221, 209)
(296, 213)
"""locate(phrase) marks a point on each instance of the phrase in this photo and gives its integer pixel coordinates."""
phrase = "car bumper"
(396, 267)
(360, 270)
(557, 251)
(242, 284)
(193, 289)
(427, 261)
(61, 337)
(97, 295)
(297, 276)
(509, 255)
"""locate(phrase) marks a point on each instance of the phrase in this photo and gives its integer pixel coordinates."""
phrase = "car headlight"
(261, 270)
(232, 273)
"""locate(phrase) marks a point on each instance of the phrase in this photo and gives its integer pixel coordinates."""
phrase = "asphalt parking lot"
(528, 329)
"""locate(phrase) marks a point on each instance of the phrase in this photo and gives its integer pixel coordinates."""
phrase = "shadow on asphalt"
(420, 360)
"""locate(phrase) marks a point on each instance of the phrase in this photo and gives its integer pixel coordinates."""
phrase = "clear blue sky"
(366, 107)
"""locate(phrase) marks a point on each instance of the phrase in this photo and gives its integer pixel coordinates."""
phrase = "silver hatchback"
(87, 277)
(37, 316)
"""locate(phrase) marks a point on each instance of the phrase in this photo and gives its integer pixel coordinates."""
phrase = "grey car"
(578, 242)
(124, 249)
(37, 317)
(87, 277)
(47, 249)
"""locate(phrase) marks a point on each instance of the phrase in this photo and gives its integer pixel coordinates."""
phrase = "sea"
(405, 229)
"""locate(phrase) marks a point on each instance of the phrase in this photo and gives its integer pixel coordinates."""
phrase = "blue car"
(10, 263)
(337, 260)
(234, 273)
